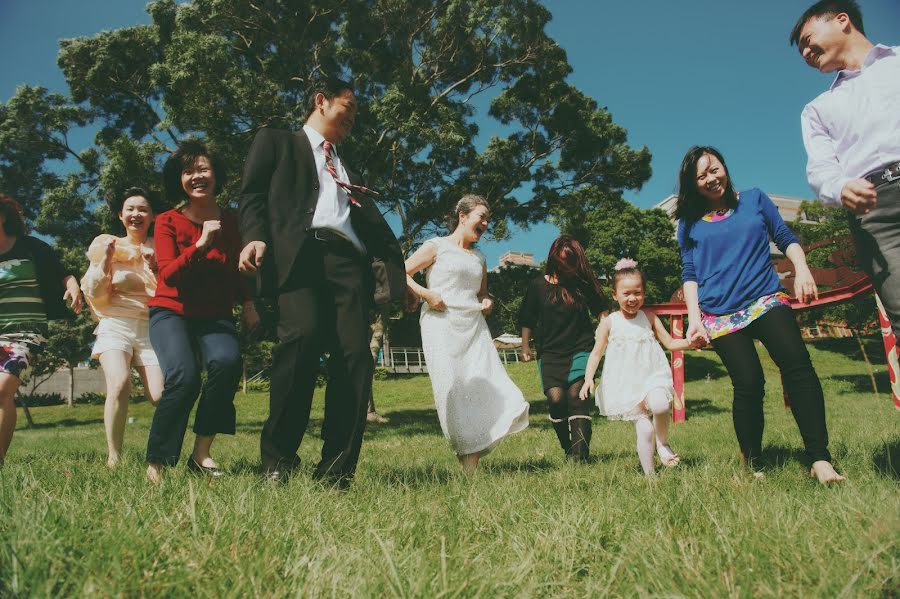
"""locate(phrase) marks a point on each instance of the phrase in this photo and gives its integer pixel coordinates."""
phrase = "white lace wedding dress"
(477, 403)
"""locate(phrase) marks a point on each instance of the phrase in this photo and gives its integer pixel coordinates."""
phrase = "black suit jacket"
(279, 192)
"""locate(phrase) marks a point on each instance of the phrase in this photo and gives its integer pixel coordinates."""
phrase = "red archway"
(845, 284)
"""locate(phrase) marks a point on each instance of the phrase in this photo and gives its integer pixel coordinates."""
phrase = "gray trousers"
(877, 236)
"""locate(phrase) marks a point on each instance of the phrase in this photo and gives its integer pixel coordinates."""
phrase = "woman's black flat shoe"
(212, 471)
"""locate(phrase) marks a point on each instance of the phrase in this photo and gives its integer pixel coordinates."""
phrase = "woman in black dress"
(561, 303)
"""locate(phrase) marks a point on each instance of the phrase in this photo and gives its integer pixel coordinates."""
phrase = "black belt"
(884, 175)
(333, 240)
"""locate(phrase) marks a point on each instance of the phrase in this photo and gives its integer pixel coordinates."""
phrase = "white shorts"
(129, 335)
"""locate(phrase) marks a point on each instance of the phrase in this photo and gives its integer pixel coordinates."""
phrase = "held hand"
(435, 301)
(487, 306)
(251, 257)
(526, 353)
(858, 196)
(587, 389)
(696, 332)
(73, 294)
(211, 229)
(805, 288)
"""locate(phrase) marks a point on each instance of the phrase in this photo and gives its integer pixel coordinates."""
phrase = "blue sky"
(674, 74)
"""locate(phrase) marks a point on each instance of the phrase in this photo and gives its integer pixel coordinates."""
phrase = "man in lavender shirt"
(852, 136)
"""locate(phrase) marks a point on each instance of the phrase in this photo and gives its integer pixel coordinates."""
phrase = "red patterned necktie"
(350, 188)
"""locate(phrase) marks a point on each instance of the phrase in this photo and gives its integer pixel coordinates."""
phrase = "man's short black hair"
(330, 87)
(830, 9)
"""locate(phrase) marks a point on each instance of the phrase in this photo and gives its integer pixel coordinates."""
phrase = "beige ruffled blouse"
(124, 291)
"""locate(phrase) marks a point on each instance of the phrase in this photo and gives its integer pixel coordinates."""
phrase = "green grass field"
(527, 524)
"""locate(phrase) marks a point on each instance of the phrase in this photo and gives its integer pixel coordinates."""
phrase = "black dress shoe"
(198, 468)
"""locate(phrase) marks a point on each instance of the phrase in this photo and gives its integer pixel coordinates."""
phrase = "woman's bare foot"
(469, 462)
(154, 473)
(825, 473)
(757, 475)
(112, 461)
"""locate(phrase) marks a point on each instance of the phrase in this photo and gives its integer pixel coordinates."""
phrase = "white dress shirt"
(853, 128)
(332, 207)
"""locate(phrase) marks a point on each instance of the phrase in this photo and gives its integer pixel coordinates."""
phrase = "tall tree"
(507, 285)
(611, 228)
(429, 74)
(224, 68)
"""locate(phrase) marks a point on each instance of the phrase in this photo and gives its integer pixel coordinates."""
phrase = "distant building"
(519, 258)
(788, 207)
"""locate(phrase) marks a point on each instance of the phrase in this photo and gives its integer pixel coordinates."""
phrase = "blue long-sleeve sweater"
(729, 259)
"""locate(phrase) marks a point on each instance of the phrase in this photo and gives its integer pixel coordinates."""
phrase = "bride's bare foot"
(154, 473)
(825, 473)
(112, 462)
(469, 462)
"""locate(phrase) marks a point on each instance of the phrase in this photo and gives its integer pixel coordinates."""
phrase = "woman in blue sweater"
(734, 296)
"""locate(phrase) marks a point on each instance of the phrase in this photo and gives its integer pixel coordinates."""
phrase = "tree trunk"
(378, 333)
(25, 409)
(71, 399)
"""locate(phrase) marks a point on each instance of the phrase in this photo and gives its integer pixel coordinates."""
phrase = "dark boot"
(561, 426)
(580, 431)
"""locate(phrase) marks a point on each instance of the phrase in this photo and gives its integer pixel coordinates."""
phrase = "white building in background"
(518, 258)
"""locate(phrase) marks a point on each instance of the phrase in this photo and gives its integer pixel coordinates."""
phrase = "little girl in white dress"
(637, 381)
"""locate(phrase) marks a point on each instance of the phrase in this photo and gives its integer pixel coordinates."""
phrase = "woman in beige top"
(117, 285)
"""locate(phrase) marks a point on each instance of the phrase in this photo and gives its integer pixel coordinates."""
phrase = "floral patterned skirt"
(718, 326)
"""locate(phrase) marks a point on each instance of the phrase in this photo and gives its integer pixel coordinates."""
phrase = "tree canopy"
(433, 79)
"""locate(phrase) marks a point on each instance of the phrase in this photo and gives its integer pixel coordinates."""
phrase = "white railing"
(412, 359)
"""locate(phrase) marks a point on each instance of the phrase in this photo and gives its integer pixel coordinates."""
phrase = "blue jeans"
(186, 346)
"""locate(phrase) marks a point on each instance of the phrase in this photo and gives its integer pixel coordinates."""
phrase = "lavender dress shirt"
(853, 128)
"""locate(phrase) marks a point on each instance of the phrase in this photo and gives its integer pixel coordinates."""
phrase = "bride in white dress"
(477, 403)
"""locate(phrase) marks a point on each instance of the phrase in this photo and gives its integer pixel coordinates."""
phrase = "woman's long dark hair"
(691, 205)
(13, 217)
(574, 275)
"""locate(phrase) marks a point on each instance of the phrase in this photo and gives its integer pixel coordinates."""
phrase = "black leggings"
(566, 402)
(778, 331)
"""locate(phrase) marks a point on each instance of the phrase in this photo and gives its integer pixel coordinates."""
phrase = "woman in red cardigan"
(191, 328)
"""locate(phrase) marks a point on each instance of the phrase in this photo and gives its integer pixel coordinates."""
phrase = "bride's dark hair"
(465, 205)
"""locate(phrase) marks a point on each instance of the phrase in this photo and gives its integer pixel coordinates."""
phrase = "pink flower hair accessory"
(625, 263)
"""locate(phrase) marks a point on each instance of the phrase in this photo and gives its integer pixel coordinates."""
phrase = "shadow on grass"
(512, 467)
(697, 366)
(67, 423)
(849, 347)
(778, 456)
(414, 476)
(410, 422)
(703, 407)
(863, 384)
(435, 474)
(886, 459)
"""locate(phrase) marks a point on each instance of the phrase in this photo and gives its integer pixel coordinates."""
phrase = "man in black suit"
(315, 237)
